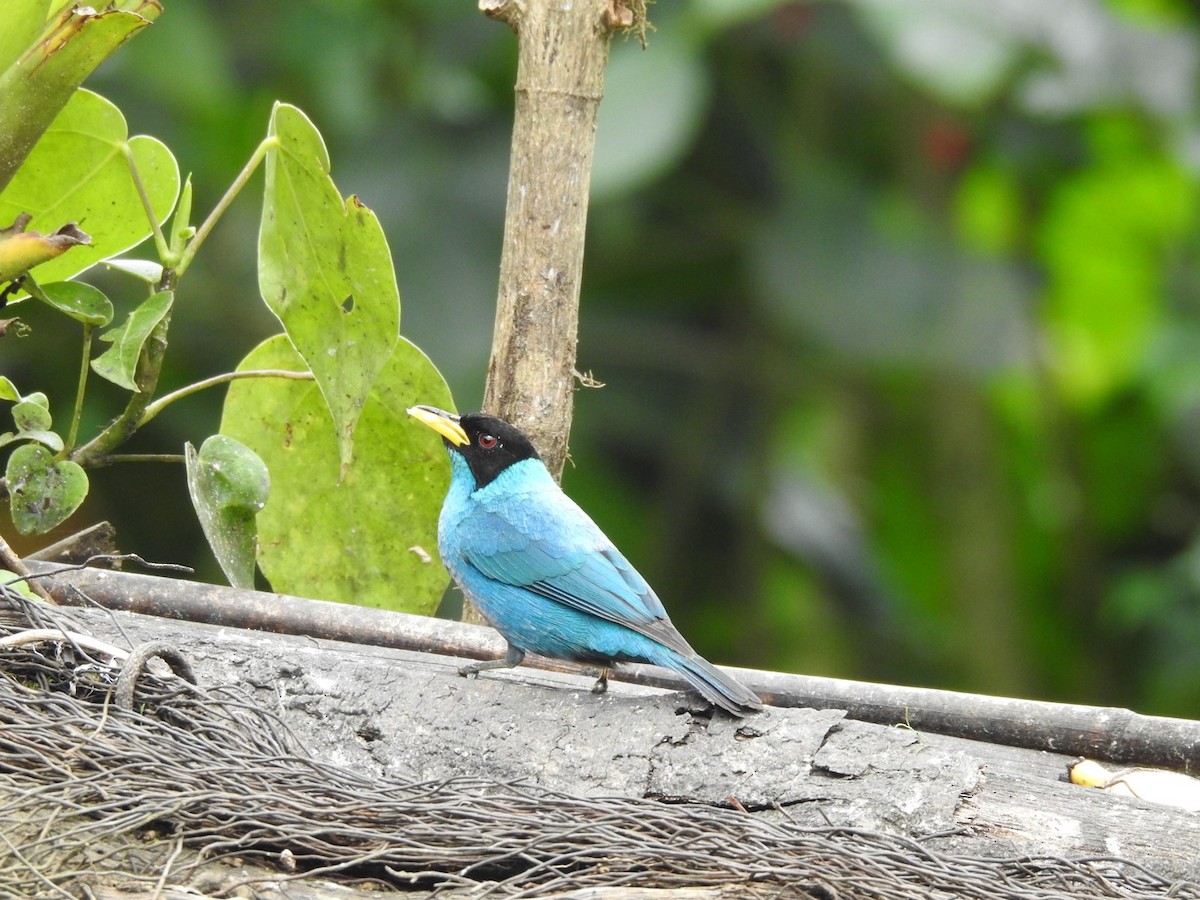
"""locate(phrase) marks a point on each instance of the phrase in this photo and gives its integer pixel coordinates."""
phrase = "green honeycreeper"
(543, 573)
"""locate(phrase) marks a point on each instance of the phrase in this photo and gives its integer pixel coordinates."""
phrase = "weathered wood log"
(1118, 735)
(409, 715)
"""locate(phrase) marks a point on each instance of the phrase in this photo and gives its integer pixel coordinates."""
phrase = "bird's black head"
(493, 445)
(487, 444)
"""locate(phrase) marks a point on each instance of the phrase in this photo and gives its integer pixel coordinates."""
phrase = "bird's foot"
(601, 685)
(510, 659)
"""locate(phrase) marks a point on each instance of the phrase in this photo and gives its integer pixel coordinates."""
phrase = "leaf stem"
(167, 399)
(160, 241)
(185, 258)
(77, 413)
(111, 459)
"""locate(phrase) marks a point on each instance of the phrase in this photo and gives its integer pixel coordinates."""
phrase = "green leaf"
(146, 270)
(8, 390)
(49, 438)
(78, 172)
(228, 484)
(118, 364)
(45, 59)
(181, 230)
(80, 301)
(721, 15)
(24, 21)
(43, 493)
(31, 416)
(370, 538)
(325, 270)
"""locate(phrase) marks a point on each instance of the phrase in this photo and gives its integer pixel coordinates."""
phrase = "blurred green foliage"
(896, 304)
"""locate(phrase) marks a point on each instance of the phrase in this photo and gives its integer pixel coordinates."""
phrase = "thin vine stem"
(166, 400)
(77, 413)
(112, 459)
(160, 241)
(256, 158)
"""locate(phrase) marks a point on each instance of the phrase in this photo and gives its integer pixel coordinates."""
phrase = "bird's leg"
(512, 658)
(601, 684)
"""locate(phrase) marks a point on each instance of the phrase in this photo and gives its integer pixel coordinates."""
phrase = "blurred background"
(895, 303)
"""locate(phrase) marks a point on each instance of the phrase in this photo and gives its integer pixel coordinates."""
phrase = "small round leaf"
(28, 415)
(43, 493)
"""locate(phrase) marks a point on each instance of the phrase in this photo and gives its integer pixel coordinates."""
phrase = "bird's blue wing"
(553, 548)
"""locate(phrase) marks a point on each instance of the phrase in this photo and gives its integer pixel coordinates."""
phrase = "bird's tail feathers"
(715, 686)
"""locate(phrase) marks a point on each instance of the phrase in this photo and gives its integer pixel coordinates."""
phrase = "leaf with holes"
(325, 270)
(118, 364)
(228, 484)
(370, 537)
(42, 493)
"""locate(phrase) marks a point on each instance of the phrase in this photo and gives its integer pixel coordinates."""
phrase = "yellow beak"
(444, 423)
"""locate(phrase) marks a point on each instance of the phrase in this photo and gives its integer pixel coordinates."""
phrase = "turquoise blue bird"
(543, 573)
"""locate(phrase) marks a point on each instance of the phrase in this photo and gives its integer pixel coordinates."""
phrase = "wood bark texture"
(562, 54)
(409, 715)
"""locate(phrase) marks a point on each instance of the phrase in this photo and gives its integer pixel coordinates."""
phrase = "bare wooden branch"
(95, 540)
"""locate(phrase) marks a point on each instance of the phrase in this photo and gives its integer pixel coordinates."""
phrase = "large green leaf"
(43, 493)
(371, 537)
(229, 484)
(325, 270)
(78, 173)
(45, 53)
(119, 362)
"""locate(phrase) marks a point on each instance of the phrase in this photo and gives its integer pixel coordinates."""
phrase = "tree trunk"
(562, 54)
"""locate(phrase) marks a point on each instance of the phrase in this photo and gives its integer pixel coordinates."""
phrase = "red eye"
(487, 441)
